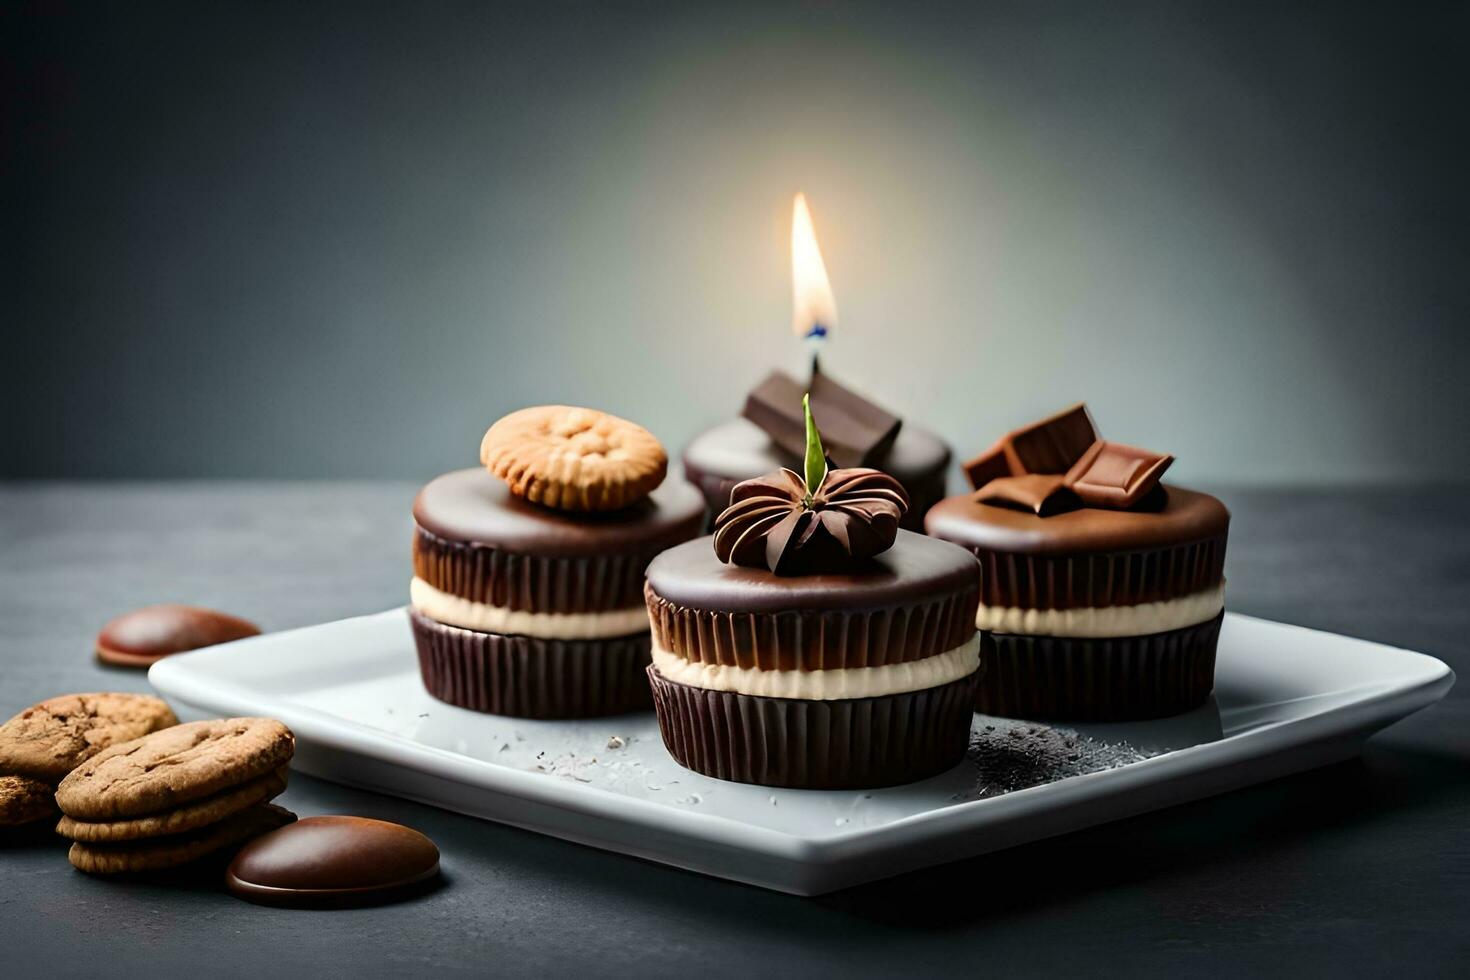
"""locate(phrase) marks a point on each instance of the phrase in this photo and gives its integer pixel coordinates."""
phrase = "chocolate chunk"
(138, 638)
(1043, 494)
(1052, 445)
(855, 432)
(989, 465)
(334, 861)
(1113, 475)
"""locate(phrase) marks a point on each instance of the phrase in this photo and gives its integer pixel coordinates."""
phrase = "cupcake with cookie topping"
(526, 597)
(811, 642)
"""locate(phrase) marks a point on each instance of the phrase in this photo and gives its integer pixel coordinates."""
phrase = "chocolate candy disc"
(325, 862)
(138, 638)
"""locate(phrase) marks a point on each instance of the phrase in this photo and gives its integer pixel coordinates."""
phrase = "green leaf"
(816, 458)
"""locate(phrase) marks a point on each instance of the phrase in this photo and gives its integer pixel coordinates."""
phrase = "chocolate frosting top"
(916, 568)
(474, 507)
(1185, 516)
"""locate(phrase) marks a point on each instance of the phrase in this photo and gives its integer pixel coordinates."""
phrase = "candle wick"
(814, 343)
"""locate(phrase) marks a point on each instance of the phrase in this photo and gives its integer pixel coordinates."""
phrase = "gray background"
(338, 239)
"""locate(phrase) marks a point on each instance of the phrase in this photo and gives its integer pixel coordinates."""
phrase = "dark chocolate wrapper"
(531, 677)
(1113, 679)
(1123, 578)
(851, 744)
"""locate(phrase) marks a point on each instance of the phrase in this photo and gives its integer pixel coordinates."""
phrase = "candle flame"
(814, 310)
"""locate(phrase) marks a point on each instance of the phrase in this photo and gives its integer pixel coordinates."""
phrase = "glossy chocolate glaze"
(739, 450)
(473, 507)
(1186, 516)
(915, 569)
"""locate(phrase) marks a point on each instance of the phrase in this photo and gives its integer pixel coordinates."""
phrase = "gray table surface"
(1362, 868)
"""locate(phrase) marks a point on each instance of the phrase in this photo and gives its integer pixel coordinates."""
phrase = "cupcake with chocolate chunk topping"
(812, 643)
(528, 573)
(1104, 588)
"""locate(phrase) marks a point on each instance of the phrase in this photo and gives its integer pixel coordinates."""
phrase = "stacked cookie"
(39, 746)
(527, 595)
(176, 795)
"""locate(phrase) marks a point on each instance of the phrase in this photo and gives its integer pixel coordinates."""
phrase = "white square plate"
(1286, 699)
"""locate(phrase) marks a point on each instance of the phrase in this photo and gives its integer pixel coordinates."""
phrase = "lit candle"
(813, 308)
(771, 432)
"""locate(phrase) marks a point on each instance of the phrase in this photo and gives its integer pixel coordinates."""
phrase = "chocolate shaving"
(855, 431)
(773, 522)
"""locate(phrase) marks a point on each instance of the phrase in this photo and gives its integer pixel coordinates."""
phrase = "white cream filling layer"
(452, 610)
(823, 685)
(1103, 621)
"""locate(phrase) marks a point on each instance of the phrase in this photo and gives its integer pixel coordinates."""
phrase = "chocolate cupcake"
(1103, 588)
(527, 595)
(811, 643)
(770, 436)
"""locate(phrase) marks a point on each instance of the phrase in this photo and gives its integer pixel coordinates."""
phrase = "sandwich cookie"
(175, 795)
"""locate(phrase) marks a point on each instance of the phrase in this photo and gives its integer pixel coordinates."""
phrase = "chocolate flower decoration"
(777, 522)
(830, 519)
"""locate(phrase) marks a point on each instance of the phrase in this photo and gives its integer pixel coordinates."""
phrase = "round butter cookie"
(575, 459)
